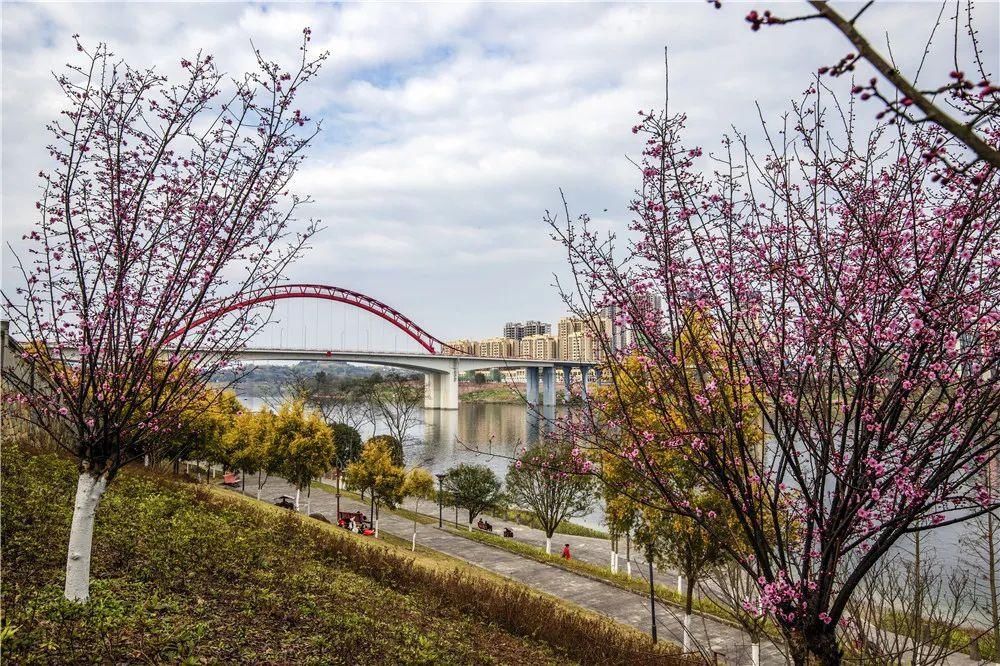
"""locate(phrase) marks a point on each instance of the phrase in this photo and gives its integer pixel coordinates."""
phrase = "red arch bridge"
(440, 363)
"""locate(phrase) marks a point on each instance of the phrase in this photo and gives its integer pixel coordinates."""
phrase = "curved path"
(618, 604)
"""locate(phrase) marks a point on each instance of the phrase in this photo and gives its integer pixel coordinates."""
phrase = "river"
(477, 433)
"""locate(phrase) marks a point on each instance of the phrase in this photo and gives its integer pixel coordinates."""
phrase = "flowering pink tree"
(836, 294)
(164, 200)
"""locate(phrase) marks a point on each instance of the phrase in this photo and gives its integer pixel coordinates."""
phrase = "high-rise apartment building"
(622, 334)
(497, 348)
(580, 340)
(456, 347)
(541, 347)
(515, 330)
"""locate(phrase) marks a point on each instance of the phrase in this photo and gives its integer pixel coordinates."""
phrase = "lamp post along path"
(440, 478)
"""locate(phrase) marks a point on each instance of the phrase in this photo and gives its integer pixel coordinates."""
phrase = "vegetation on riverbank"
(185, 573)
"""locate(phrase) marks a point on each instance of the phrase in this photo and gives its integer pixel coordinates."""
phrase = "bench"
(230, 479)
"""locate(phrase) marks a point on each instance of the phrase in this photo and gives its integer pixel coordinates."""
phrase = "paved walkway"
(620, 605)
(731, 644)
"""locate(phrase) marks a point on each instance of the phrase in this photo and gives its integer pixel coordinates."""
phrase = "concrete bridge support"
(548, 386)
(441, 389)
(531, 385)
(584, 371)
(547, 394)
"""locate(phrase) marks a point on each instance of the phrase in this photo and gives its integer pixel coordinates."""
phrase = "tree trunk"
(628, 554)
(548, 545)
(688, 604)
(918, 601)
(816, 649)
(755, 652)
(260, 486)
(614, 561)
(89, 490)
(376, 521)
(297, 491)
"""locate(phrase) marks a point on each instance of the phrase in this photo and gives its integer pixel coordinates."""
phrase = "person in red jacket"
(565, 553)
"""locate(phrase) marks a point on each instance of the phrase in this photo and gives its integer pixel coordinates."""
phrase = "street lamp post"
(337, 470)
(440, 499)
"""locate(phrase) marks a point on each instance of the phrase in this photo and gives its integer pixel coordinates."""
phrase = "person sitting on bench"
(509, 533)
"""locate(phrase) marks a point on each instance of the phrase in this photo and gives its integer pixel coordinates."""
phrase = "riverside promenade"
(629, 608)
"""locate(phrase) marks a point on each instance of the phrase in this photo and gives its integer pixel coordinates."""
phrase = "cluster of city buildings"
(575, 339)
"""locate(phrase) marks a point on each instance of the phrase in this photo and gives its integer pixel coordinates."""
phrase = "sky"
(449, 129)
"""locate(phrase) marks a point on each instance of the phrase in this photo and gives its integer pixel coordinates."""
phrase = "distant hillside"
(268, 379)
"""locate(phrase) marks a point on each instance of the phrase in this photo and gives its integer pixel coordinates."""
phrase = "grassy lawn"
(492, 394)
(188, 573)
(528, 519)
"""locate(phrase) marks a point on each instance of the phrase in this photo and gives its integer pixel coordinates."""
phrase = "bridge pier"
(549, 386)
(441, 389)
(531, 385)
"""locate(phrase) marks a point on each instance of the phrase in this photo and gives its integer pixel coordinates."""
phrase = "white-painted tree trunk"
(470, 525)
(145, 460)
(614, 561)
(687, 633)
(187, 467)
(628, 568)
(680, 584)
(413, 542)
(297, 492)
(548, 546)
(376, 528)
(89, 490)
(755, 654)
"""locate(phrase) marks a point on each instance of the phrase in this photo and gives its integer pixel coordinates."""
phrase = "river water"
(477, 433)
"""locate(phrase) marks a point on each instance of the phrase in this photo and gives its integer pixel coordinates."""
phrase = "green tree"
(419, 484)
(347, 441)
(679, 542)
(546, 481)
(202, 428)
(376, 471)
(393, 444)
(303, 445)
(252, 444)
(474, 488)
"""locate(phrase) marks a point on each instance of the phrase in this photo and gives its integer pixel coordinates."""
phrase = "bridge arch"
(323, 292)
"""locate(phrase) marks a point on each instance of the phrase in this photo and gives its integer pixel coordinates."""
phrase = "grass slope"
(183, 573)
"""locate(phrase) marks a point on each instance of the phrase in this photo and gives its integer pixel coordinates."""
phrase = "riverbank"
(501, 393)
(185, 572)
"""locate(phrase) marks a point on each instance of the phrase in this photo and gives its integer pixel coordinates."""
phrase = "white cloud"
(448, 128)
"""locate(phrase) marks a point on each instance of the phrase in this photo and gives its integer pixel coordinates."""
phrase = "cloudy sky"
(449, 128)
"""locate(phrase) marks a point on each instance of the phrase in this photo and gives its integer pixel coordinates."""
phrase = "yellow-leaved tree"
(375, 470)
(303, 445)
